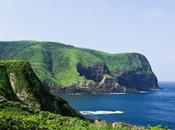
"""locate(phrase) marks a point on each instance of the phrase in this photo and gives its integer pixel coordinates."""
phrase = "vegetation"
(25, 104)
(57, 63)
(19, 83)
(14, 116)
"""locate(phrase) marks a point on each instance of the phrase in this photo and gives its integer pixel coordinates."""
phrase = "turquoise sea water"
(156, 107)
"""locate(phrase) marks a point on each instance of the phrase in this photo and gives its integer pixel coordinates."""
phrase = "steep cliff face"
(20, 84)
(94, 72)
(138, 80)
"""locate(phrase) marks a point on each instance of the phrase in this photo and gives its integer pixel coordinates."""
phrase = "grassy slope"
(57, 62)
(123, 61)
(18, 117)
(19, 83)
(7, 91)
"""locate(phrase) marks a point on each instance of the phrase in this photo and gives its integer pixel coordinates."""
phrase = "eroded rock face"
(139, 81)
(94, 72)
(109, 85)
(22, 95)
(125, 83)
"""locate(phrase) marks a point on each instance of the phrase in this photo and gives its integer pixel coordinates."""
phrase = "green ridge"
(57, 63)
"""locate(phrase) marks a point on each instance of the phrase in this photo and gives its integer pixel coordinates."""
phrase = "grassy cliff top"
(57, 62)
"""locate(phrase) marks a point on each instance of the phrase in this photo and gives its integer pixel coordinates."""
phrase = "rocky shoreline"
(123, 82)
(110, 87)
(91, 90)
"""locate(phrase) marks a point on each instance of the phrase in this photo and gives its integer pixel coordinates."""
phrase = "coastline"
(86, 90)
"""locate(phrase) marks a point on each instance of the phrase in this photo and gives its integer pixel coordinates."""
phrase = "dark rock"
(94, 72)
(138, 80)
(110, 85)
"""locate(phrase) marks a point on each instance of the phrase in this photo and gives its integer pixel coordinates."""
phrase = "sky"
(113, 26)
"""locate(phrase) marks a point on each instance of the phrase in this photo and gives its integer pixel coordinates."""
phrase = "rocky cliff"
(18, 83)
(94, 72)
(139, 81)
(66, 68)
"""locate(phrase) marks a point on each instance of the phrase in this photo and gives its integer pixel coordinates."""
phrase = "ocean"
(143, 108)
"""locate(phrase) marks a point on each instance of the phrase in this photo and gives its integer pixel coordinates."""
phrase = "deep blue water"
(156, 107)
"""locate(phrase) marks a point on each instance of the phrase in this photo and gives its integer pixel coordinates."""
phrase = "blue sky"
(114, 26)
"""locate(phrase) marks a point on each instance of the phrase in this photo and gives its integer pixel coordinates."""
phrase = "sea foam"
(109, 93)
(143, 91)
(100, 112)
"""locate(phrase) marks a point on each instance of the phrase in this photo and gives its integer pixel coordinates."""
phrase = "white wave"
(109, 93)
(100, 112)
(143, 91)
(155, 89)
(116, 93)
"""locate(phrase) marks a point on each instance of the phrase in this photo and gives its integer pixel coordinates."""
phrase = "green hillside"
(57, 63)
(18, 83)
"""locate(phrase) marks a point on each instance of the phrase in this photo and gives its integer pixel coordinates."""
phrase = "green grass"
(123, 61)
(15, 116)
(19, 83)
(57, 63)
(18, 117)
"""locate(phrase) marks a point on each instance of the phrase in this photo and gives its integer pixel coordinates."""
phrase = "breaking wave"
(143, 91)
(100, 112)
(110, 93)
